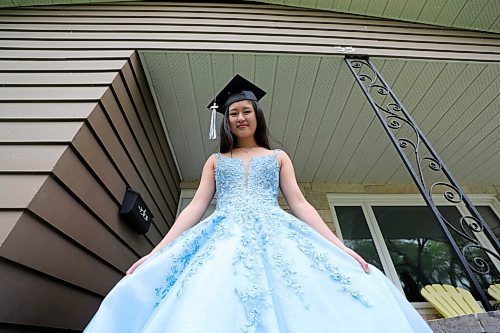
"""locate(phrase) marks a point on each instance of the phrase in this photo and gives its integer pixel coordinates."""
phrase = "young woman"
(250, 266)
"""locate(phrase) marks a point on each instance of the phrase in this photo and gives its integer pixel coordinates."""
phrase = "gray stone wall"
(473, 323)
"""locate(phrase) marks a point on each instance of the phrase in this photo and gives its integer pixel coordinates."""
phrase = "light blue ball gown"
(252, 267)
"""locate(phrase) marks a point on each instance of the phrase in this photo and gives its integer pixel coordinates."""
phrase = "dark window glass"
(356, 234)
(421, 253)
(491, 219)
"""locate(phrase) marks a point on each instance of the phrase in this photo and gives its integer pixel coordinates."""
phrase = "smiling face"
(252, 129)
(242, 119)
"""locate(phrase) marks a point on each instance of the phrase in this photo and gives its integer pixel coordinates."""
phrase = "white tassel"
(212, 134)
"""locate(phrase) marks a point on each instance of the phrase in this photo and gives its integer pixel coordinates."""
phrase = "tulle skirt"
(254, 272)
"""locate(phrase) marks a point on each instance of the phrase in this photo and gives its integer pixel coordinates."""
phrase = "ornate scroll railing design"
(396, 120)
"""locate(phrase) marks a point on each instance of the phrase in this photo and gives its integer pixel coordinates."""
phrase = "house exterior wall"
(316, 194)
(68, 150)
(78, 124)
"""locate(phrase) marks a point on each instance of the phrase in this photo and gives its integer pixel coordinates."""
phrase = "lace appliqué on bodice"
(247, 184)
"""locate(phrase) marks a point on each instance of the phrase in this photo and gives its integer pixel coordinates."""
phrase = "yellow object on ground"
(494, 291)
(451, 301)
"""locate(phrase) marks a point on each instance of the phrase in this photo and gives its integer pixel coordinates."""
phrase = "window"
(186, 197)
(399, 235)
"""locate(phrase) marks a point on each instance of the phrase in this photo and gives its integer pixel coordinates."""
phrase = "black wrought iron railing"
(420, 159)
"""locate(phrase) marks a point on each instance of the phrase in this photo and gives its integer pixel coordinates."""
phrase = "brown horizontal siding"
(29, 158)
(152, 9)
(113, 32)
(266, 25)
(127, 165)
(47, 251)
(60, 65)
(230, 45)
(246, 27)
(55, 79)
(73, 135)
(80, 225)
(37, 132)
(8, 220)
(140, 159)
(151, 40)
(44, 110)
(50, 93)
(138, 120)
(139, 90)
(32, 298)
(47, 54)
(81, 182)
(17, 190)
(16, 328)
(228, 27)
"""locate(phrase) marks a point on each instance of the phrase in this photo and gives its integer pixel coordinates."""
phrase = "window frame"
(366, 201)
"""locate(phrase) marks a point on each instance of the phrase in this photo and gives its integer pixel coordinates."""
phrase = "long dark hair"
(228, 141)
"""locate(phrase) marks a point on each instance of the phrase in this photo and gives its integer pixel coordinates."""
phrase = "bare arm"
(192, 214)
(303, 209)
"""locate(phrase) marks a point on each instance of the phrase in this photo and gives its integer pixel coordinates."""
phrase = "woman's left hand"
(137, 264)
(358, 258)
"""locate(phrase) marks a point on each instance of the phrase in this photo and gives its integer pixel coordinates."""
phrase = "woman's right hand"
(137, 264)
(358, 258)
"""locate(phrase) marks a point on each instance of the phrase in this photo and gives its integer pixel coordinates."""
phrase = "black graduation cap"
(236, 90)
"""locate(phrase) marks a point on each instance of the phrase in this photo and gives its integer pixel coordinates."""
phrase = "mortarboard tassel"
(212, 135)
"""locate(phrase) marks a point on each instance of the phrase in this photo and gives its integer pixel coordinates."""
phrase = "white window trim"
(365, 201)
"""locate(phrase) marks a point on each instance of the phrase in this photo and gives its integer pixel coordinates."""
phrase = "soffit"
(317, 113)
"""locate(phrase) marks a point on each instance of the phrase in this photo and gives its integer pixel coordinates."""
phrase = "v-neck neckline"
(246, 169)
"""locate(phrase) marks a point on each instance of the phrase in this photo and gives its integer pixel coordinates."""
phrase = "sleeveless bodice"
(252, 186)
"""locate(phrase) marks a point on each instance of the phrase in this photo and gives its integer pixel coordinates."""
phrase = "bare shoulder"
(212, 158)
(283, 157)
(211, 161)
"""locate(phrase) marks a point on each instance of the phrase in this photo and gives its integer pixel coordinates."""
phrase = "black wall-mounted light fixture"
(135, 212)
